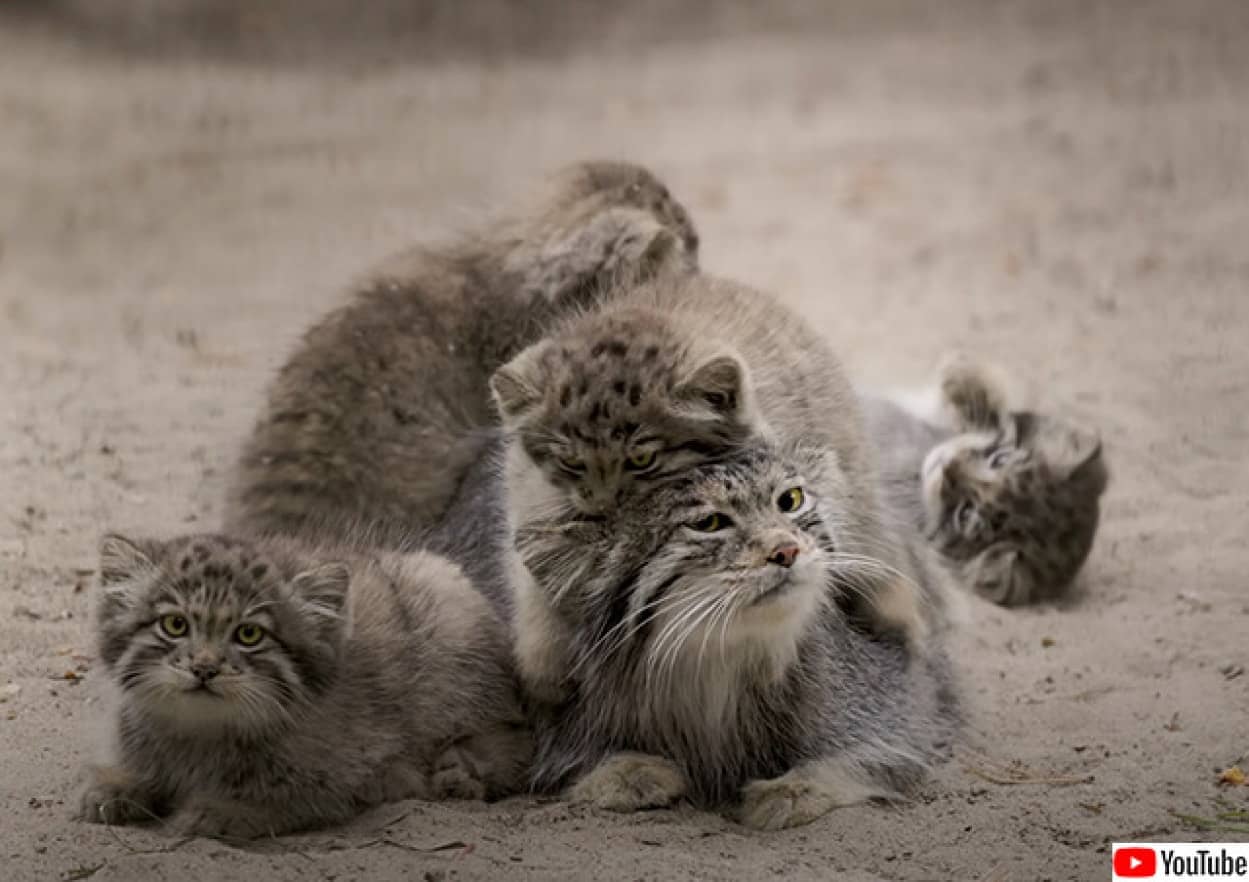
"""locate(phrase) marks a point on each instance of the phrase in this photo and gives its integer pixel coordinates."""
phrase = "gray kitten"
(709, 654)
(378, 413)
(264, 688)
(662, 377)
(1009, 498)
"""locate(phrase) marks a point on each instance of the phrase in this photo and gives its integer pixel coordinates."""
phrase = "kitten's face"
(724, 556)
(1017, 506)
(203, 633)
(617, 401)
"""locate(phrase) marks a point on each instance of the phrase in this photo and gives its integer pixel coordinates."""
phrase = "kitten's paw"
(456, 776)
(783, 802)
(219, 820)
(973, 392)
(109, 797)
(629, 782)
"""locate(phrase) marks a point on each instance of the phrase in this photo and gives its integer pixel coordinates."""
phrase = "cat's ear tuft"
(997, 574)
(323, 590)
(518, 386)
(123, 560)
(720, 384)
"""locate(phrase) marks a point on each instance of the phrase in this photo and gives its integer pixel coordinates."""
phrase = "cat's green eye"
(791, 500)
(174, 625)
(712, 523)
(641, 460)
(248, 634)
(571, 464)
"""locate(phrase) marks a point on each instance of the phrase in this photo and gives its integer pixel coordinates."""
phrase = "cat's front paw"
(455, 776)
(220, 820)
(110, 797)
(783, 802)
(629, 782)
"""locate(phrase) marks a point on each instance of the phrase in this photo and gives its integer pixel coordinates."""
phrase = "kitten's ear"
(1071, 449)
(719, 385)
(997, 574)
(518, 386)
(122, 559)
(322, 590)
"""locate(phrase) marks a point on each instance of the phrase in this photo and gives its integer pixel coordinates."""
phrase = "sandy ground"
(1066, 192)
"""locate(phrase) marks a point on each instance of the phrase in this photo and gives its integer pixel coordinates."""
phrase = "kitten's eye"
(999, 457)
(712, 523)
(248, 634)
(571, 464)
(964, 516)
(791, 500)
(641, 461)
(174, 625)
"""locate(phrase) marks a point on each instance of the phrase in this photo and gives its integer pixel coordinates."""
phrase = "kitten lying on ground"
(1009, 498)
(380, 411)
(266, 688)
(707, 655)
(659, 379)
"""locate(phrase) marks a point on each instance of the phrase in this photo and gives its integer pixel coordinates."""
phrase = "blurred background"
(1061, 186)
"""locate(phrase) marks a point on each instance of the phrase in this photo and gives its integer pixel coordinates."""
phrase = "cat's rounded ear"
(122, 559)
(718, 385)
(518, 386)
(322, 590)
(997, 574)
(1072, 449)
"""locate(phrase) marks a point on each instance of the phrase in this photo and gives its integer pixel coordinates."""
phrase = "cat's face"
(204, 633)
(1016, 506)
(620, 400)
(723, 557)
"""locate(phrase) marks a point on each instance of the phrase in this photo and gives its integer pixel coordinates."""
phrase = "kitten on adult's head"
(1014, 497)
(619, 399)
(267, 686)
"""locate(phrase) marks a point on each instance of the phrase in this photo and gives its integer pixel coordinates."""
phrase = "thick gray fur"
(698, 667)
(379, 677)
(377, 415)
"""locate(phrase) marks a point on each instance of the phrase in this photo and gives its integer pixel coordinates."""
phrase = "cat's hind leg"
(488, 765)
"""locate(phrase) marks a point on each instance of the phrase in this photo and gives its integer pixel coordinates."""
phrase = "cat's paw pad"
(783, 802)
(629, 782)
(218, 821)
(107, 799)
(456, 777)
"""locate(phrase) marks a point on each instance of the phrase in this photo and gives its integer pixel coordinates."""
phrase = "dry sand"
(1063, 187)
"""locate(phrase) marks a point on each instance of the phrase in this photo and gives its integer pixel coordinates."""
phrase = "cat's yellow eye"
(571, 464)
(248, 634)
(642, 460)
(712, 523)
(791, 500)
(174, 625)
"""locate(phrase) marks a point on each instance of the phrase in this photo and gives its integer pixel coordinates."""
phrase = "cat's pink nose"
(784, 555)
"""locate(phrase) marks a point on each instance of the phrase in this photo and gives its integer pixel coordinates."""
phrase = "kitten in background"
(265, 688)
(384, 406)
(1009, 497)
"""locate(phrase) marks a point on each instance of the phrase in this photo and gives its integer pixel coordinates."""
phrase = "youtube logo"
(1135, 863)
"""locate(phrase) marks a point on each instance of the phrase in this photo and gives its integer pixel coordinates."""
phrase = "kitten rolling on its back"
(1009, 498)
(377, 415)
(265, 688)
